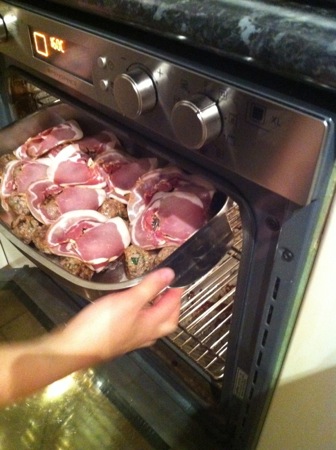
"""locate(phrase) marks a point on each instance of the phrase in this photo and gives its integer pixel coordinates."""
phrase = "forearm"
(29, 366)
(113, 325)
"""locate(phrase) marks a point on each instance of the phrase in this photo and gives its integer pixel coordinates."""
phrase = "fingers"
(140, 322)
(162, 317)
(150, 286)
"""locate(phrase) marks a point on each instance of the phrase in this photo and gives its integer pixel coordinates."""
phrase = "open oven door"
(53, 296)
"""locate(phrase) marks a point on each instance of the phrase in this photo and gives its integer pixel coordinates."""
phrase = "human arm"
(113, 325)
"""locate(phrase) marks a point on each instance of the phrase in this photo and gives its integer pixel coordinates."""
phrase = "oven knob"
(3, 30)
(134, 93)
(196, 121)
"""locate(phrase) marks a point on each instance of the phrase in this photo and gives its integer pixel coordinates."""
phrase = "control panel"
(264, 141)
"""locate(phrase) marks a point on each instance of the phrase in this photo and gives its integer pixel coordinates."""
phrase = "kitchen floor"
(69, 414)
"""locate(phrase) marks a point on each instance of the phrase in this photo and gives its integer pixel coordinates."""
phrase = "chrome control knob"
(134, 93)
(196, 121)
(3, 30)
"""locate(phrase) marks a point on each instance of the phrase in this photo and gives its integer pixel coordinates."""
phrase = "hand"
(115, 324)
(120, 322)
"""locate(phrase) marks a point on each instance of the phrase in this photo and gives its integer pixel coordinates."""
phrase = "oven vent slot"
(204, 326)
(264, 339)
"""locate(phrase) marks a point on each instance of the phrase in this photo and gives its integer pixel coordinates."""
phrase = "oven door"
(126, 403)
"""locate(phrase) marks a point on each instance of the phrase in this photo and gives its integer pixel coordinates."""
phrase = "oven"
(270, 153)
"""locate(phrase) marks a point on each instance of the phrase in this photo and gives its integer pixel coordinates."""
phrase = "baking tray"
(114, 277)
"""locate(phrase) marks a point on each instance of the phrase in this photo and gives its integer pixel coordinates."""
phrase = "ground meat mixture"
(112, 208)
(16, 172)
(138, 261)
(51, 207)
(4, 159)
(18, 204)
(24, 227)
(39, 239)
(77, 268)
(164, 253)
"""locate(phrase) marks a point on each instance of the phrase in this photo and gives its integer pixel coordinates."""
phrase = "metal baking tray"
(114, 277)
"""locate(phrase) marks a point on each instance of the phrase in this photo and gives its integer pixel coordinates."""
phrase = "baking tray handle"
(200, 253)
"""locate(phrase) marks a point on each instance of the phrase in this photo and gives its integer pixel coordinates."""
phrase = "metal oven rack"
(204, 325)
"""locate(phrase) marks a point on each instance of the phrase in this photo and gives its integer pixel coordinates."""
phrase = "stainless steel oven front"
(270, 156)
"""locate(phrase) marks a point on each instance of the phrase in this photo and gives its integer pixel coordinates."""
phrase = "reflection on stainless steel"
(70, 414)
(268, 144)
(265, 141)
(134, 93)
(204, 326)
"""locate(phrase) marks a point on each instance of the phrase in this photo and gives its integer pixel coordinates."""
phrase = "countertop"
(291, 38)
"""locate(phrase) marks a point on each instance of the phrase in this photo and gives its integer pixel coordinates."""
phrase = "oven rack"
(203, 331)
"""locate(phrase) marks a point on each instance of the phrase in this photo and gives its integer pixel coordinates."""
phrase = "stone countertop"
(291, 38)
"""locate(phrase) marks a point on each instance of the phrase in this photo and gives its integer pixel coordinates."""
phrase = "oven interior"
(203, 332)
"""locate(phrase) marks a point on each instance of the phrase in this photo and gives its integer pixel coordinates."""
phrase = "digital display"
(62, 53)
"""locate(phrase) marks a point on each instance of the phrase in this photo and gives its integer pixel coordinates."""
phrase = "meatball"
(18, 204)
(164, 253)
(24, 227)
(4, 160)
(51, 207)
(138, 261)
(76, 267)
(112, 208)
(39, 239)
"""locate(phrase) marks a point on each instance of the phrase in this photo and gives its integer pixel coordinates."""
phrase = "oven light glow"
(59, 387)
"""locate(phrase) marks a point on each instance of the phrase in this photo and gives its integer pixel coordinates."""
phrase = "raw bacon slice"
(18, 176)
(124, 178)
(111, 159)
(169, 219)
(47, 201)
(167, 179)
(71, 167)
(48, 139)
(89, 236)
(123, 171)
(73, 198)
(99, 143)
